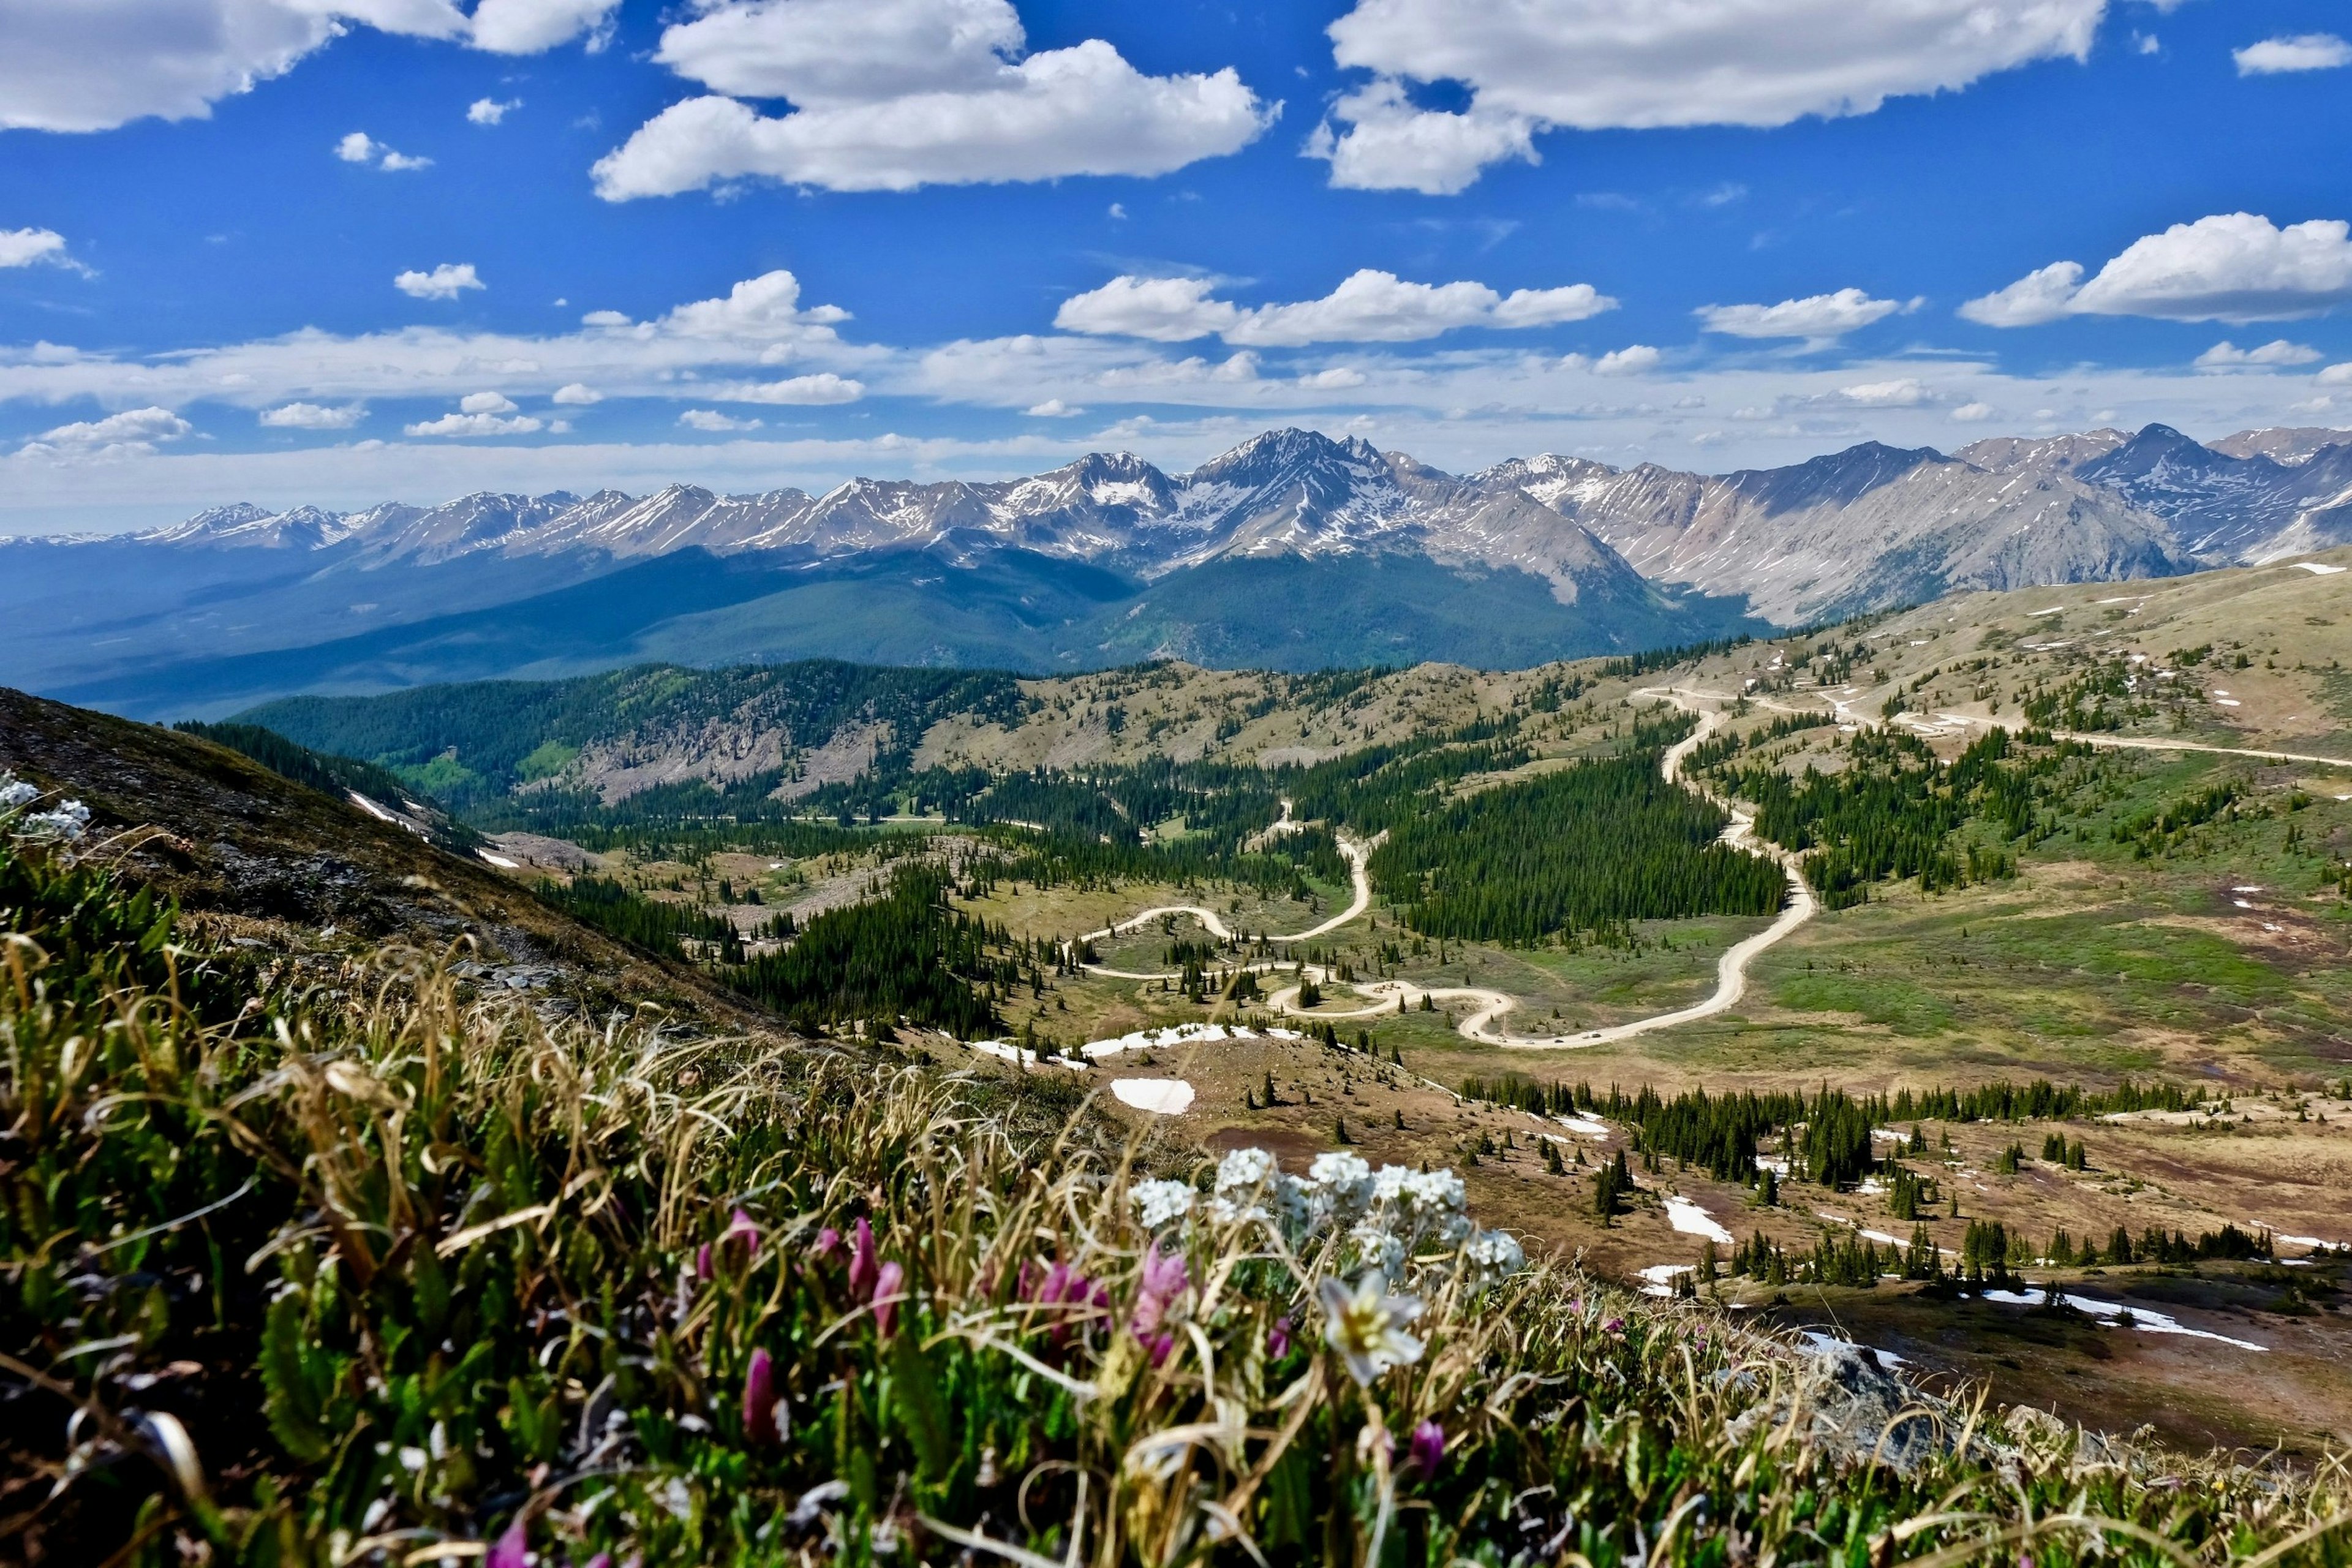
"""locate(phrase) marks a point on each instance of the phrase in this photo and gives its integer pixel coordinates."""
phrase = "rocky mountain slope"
(1293, 549)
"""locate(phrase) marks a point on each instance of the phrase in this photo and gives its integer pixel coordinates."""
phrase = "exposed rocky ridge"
(1055, 570)
(1851, 527)
(1860, 528)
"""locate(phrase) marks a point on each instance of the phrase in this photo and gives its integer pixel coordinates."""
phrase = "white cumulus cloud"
(480, 414)
(2336, 375)
(1902, 392)
(1974, 413)
(1532, 65)
(491, 110)
(24, 246)
(2232, 266)
(312, 417)
(577, 395)
(132, 432)
(888, 95)
(533, 26)
(751, 330)
(1818, 317)
(1369, 306)
(359, 147)
(92, 65)
(2045, 294)
(1634, 359)
(2227, 355)
(446, 281)
(712, 420)
(803, 391)
(2303, 52)
(1391, 146)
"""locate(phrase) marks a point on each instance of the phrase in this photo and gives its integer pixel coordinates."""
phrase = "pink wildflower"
(886, 1286)
(513, 1548)
(704, 1269)
(826, 1240)
(741, 1231)
(1427, 1450)
(1278, 1339)
(1164, 1279)
(760, 1399)
(862, 1263)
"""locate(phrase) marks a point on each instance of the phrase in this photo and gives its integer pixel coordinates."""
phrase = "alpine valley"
(1292, 552)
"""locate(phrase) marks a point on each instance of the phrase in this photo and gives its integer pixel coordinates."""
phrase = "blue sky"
(748, 243)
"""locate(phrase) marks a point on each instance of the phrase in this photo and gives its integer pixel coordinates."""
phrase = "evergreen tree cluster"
(1612, 1185)
(1723, 748)
(1828, 1135)
(655, 926)
(904, 956)
(1590, 846)
(2159, 829)
(1893, 810)
(1986, 1249)
(322, 771)
(2100, 698)
(2057, 1151)
(1640, 664)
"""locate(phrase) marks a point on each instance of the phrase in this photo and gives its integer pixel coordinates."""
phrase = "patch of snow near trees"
(2118, 1315)
(1159, 1096)
(1692, 1220)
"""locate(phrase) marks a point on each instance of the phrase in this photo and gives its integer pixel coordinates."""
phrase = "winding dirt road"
(1391, 997)
(1357, 855)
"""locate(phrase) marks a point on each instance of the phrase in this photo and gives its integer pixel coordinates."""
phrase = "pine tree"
(1610, 1188)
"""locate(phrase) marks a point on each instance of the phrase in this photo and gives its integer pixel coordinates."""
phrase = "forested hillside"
(473, 744)
(1588, 847)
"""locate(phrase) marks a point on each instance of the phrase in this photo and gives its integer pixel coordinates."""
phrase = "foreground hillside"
(394, 1265)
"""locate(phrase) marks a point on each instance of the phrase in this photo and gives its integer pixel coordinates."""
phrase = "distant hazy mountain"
(1291, 551)
(1866, 527)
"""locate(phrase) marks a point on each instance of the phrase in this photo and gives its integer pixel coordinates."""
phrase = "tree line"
(1593, 845)
(1891, 812)
(1828, 1136)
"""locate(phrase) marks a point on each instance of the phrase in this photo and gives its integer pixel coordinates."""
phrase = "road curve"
(1390, 996)
(1357, 856)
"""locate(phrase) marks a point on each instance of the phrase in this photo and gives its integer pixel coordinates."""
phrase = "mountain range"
(1293, 551)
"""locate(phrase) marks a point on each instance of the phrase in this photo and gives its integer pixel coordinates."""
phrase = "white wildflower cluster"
(63, 824)
(1389, 1218)
(1162, 1203)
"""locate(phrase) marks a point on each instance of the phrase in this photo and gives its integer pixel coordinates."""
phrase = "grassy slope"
(495, 1294)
